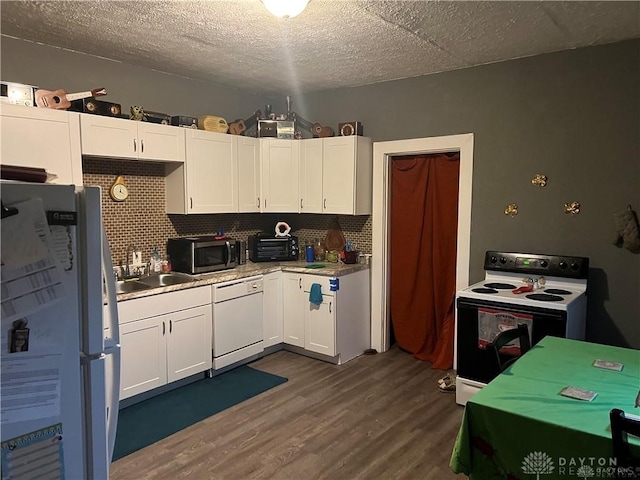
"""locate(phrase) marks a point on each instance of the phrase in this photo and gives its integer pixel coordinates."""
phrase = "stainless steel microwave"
(201, 254)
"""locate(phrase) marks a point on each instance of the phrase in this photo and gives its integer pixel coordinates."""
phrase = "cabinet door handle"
(265, 203)
(300, 283)
(135, 145)
(330, 306)
(324, 204)
(190, 203)
(141, 146)
(171, 321)
(164, 328)
(258, 202)
(300, 203)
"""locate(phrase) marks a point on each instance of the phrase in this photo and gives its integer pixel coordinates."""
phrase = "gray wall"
(573, 116)
(53, 68)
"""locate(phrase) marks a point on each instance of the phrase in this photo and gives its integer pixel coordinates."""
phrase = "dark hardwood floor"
(376, 417)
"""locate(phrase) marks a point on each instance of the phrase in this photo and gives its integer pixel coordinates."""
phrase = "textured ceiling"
(331, 44)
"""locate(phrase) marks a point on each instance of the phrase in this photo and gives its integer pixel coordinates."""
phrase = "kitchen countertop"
(250, 269)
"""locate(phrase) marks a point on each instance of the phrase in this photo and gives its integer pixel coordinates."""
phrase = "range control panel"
(537, 264)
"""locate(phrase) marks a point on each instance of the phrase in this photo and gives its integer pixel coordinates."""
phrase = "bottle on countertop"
(156, 262)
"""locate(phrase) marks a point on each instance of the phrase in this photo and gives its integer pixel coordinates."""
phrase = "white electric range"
(546, 292)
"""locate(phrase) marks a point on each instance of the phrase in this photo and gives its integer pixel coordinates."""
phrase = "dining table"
(521, 426)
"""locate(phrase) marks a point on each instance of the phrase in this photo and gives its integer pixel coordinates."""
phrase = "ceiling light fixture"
(285, 8)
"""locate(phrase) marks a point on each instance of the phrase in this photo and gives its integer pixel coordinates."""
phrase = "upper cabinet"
(121, 138)
(336, 175)
(208, 181)
(311, 152)
(347, 175)
(248, 174)
(42, 138)
(280, 163)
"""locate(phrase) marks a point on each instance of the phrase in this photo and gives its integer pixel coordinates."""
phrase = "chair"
(623, 425)
(521, 332)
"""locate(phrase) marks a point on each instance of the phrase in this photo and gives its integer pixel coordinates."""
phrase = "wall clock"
(119, 191)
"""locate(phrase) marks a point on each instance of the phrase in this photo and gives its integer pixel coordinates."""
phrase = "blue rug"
(156, 418)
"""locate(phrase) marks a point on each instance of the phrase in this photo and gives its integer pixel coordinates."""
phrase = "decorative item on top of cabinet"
(238, 127)
(350, 128)
(211, 123)
(539, 180)
(96, 107)
(158, 117)
(573, 208)
(511, 209)
(61, 100)
(119, 191)
(137, 114)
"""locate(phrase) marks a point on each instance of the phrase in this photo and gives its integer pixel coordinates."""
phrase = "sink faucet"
(128, 257)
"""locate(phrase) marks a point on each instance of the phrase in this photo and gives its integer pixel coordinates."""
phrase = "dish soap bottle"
(156, 262)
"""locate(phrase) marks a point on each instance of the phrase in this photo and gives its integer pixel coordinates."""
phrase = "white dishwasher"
(237, 321)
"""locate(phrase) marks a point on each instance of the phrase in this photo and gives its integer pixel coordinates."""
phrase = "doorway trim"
(383, 153)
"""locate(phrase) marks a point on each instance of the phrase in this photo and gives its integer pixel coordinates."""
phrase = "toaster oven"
(268, 248)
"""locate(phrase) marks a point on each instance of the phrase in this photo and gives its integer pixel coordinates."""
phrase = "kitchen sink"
(130, 286)
(165, 279)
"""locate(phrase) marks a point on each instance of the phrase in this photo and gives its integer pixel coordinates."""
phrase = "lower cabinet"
(164, 338)
(337, 327)
(293, 309)
(272, 309)
(320, 327)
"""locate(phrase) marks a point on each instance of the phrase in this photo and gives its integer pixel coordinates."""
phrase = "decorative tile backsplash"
(141, 220)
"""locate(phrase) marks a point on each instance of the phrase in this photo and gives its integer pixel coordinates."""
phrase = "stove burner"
(484, 290)
(557, 291)
(500, 286)
(545, 297)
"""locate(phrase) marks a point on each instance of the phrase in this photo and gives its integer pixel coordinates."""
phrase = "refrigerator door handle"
(112, 346)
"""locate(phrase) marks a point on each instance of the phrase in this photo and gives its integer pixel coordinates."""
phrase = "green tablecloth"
(520, 427)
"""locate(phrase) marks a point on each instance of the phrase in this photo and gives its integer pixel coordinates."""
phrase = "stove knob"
(575, 266)
(544, 263)
(494, 259)
(503, 260)
(563, 265)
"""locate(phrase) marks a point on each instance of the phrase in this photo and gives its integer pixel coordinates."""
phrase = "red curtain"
(424, 225)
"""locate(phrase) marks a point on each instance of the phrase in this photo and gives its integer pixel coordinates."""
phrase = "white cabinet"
(144, 356)
(347, 175)
(320, 327)
(208, 181)
(294, 303)
(164, 338)
(42, 138)
(272, 309)
(338, 327)
(120, 138)
(336, 175)
(311, 153)
(279, 160)
(248, 151)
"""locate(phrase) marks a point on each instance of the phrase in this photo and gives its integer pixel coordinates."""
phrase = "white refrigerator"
(60, 357)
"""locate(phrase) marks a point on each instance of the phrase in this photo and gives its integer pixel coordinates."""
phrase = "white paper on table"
(31, 276)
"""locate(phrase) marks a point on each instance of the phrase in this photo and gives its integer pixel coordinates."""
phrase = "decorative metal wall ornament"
(573, 208)
(539, 180)
(511, 209)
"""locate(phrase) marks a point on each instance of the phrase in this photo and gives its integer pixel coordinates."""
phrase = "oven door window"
(473, 360)
(492, 322)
